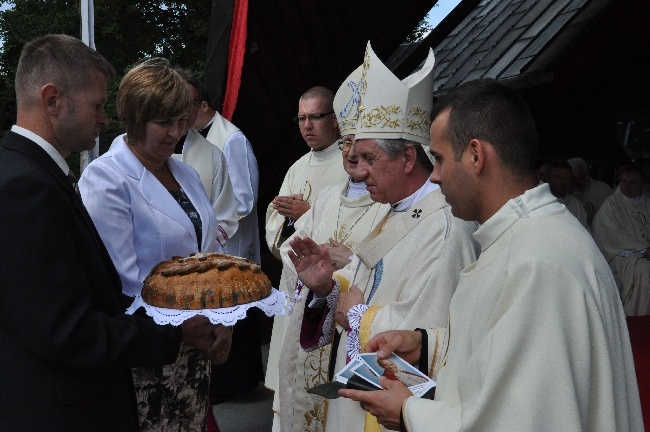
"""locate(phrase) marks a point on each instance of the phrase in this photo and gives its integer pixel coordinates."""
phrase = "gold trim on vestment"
(435, 352)
(364, 327)
(344, 284)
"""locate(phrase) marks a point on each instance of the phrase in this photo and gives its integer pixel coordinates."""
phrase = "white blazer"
(136, 216)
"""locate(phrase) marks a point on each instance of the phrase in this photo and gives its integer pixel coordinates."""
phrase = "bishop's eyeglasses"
(345, 144)
(312, 117)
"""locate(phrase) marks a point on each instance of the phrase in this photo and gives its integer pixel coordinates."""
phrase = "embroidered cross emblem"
(416, 213)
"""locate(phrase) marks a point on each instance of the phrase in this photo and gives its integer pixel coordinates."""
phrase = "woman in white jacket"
(147, 208)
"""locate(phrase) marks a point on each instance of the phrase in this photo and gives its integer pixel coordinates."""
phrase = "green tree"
(419, 32)
(17, 26)
(126, 31)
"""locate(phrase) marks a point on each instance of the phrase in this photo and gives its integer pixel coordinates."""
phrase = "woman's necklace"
(343, 233)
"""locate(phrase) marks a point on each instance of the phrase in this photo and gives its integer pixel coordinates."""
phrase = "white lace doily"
(272, 305)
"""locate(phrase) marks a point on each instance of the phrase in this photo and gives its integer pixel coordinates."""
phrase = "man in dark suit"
(66, 345)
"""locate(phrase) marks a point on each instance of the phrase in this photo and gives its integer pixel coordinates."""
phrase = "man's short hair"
(151, 90)
(487, 110)
(62, 60)
(204, 95)
(559, 164)
(188, 76)
(578, 164)
(633, 168)
(192, 80)
(320, 92)
(395, 147)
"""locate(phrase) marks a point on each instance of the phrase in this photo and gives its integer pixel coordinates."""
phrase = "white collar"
(408, 202)
(532, 203)
(326, 155)
(626, 199)
(49, 148)
(210, 122)
(355, 189)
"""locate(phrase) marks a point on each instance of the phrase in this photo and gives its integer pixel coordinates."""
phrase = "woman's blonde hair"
(150, 90)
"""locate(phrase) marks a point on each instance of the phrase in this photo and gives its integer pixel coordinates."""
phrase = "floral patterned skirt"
(174, 397)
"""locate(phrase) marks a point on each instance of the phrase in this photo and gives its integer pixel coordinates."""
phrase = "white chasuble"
(537, 337)
(593, 198)
(576, 208)
(244, 176)
(347, 220)
(408, 269)
(307, 176)
(622, 231)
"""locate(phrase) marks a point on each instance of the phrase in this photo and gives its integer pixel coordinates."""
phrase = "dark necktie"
(73, 181)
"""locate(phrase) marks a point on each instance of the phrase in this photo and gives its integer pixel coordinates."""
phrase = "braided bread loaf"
(205, 281)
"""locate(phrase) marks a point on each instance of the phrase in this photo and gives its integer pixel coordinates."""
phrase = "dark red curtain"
(235, 57)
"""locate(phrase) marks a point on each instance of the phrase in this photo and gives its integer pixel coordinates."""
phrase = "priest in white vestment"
(590, 192)
(315, 170)
(341, 214)
(404, 273)
(244, 369)
(622, 231)
(210, 163)
(536, 338)
(319, 168)
(559, 180)
(244, 176)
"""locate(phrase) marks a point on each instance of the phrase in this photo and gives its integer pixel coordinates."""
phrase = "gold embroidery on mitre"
(420, 121)
(347, 123)
(381, 116)
(363, 85)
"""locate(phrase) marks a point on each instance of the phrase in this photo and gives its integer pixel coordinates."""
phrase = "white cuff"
(353, 345)
(296, 296)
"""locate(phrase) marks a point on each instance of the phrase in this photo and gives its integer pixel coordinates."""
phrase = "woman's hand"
(220, 350)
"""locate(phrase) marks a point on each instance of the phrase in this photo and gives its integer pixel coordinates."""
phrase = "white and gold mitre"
(346, 102)
(394, 109)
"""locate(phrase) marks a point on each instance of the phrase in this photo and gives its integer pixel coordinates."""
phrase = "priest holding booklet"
(537, 338)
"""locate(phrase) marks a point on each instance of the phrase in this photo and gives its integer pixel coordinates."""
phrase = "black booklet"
(330, 390)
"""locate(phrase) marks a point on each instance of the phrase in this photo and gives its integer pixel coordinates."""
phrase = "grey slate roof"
(515, 40)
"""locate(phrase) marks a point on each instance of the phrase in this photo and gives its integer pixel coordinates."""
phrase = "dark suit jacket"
(65, 344)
